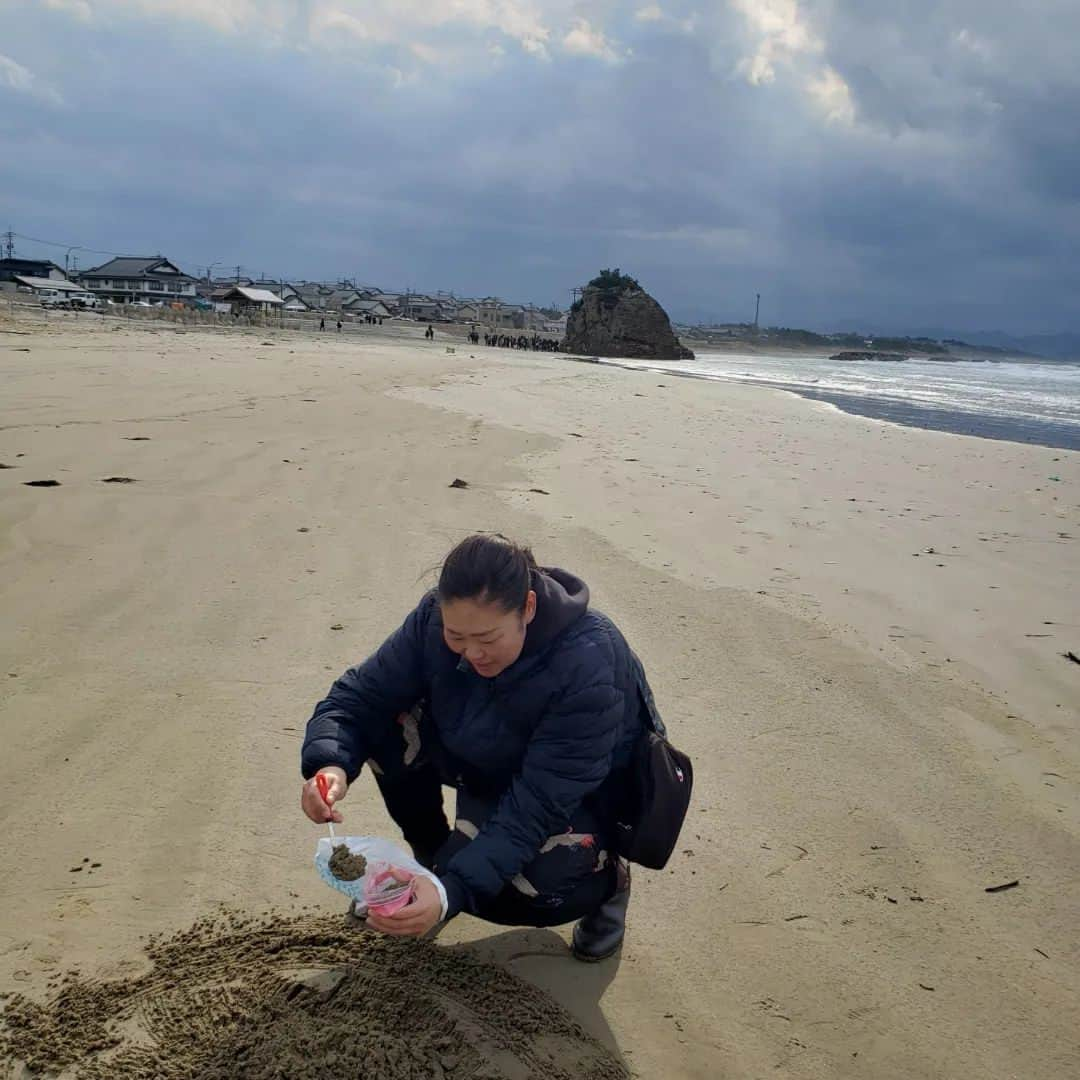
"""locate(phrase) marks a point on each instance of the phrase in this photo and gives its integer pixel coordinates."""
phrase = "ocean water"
(1019, 401)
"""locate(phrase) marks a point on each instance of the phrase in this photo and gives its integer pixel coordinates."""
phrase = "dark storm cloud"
(898, 167)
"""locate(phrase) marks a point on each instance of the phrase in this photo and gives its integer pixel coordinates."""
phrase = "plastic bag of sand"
(377, 854)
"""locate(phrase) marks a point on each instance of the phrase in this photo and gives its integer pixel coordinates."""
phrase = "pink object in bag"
(384, 891)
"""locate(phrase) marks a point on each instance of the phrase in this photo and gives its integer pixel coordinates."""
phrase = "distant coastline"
(746, 337)
(969, 353)
(1003, 423)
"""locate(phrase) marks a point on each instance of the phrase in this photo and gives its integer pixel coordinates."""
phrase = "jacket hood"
(561, 599)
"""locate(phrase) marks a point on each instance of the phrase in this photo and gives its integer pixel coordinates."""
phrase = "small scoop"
(390, 877)
(323, 784)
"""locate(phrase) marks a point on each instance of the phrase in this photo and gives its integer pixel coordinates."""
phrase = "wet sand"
(857, 630)
(301, 998)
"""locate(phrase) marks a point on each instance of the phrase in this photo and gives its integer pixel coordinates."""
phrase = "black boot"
(599, 935)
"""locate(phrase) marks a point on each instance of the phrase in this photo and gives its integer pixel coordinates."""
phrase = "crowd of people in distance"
(532, 342)
(518, 341)
(371, 320)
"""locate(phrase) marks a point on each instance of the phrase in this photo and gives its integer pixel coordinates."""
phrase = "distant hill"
(928, 341)
(1063, 346)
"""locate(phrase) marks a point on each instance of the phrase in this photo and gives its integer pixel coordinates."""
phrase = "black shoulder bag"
(661, 779)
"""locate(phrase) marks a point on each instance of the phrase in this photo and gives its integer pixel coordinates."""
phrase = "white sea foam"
(1039, 392)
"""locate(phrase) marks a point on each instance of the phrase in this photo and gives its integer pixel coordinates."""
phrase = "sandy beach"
(856, 630)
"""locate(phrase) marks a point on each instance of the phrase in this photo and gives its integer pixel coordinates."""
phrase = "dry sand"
(878, 738)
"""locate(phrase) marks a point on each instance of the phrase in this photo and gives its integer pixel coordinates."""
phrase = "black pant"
(571, 875)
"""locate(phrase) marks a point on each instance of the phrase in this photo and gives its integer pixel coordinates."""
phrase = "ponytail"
(488, 568)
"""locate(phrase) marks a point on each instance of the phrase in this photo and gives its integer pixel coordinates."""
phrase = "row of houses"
(157, 280)
(359, 302)
(121, 280)
(490, 311)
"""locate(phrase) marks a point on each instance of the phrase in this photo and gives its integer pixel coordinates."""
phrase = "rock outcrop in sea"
(617, 317)
(882, 357)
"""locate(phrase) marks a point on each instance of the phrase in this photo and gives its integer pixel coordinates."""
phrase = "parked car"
(84, 301)
(53, 298)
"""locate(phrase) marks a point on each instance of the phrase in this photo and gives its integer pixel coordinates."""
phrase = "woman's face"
(488, 637)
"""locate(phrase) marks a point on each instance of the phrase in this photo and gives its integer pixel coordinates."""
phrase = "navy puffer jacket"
(544, 734)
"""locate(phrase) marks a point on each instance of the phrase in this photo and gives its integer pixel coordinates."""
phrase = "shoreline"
(996, 426)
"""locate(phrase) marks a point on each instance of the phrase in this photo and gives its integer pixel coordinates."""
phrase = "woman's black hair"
(490, 568)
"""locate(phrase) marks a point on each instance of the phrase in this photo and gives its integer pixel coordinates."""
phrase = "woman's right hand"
(312, 803)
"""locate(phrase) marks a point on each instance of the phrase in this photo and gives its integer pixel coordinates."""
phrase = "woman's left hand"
(414, 919)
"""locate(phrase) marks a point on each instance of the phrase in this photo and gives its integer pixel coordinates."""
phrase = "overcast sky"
(885, 166)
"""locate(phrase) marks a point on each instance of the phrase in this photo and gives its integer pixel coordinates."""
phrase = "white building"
(375, 308)
(499, 314)
(244, 299)
(128, 279)
(291, 298)
(40, 286)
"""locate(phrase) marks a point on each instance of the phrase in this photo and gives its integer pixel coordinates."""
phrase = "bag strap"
(653, 721)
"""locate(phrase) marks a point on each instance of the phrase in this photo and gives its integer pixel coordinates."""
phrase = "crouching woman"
(504, 684)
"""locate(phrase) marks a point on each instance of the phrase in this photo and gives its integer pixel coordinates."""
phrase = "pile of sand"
(346, 866)
(300, 997)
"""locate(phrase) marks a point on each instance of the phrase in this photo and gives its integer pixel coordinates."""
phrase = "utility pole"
(67, 258)
(757, 311)
(238, 269)
(9, 244)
